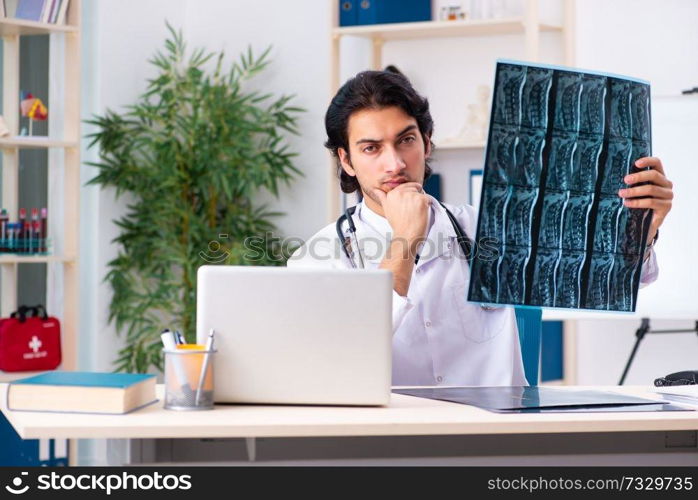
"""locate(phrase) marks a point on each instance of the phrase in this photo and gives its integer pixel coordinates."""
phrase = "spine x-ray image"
(560, 143)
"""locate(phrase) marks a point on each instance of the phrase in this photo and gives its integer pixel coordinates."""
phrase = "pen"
(178, 337)
(168, 341)
(204, 366)
(170, 337)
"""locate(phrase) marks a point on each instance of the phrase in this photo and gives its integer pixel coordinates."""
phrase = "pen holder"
(189, 379)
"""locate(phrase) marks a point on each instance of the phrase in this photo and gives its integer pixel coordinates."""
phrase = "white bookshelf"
(24, 142)
(8, 259)
(441, 29)
(441, 145)
(69, 122)
(19, 27)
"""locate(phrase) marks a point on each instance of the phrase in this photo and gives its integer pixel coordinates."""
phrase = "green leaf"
(191, 156)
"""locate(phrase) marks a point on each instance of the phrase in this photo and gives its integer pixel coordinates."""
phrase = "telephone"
(678, 378)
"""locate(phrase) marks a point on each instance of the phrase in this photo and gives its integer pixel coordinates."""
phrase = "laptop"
(297, 336)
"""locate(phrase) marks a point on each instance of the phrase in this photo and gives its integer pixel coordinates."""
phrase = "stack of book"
(42, 11)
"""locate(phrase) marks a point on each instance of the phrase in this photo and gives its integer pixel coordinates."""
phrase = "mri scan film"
(560, 143)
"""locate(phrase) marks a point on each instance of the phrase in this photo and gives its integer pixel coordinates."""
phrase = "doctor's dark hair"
(373, 90)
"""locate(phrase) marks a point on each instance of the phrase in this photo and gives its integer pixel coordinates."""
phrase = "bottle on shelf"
(4, 221)
(21, 239)
(35, 245)
(13, 237)
(44, 230)
(28, 235)
(27, 240)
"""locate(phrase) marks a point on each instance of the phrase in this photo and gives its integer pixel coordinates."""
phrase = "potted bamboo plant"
(192, 154)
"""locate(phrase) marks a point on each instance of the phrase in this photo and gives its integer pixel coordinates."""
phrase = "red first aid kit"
(30, 340)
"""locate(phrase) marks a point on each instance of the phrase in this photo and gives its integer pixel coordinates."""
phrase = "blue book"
(82, 392)
(30, 10)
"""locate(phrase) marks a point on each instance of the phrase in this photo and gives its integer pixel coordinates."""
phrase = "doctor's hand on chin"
(656, 195)
(406, 208)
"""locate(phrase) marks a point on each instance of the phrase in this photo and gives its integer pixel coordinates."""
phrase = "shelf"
(33, 259)
(22, 142)
(440, 146)
(428, 29)
(64, 70)
(10, 26)
(10, 376)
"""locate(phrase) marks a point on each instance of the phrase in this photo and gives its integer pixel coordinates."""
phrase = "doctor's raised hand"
(406, 209)
(657, 195)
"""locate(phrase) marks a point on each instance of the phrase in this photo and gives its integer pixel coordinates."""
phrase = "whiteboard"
(675, 138)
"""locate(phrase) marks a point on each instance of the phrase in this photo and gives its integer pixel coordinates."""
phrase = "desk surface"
(406, 415)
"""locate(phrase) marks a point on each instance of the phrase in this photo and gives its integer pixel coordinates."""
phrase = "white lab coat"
(439, 338)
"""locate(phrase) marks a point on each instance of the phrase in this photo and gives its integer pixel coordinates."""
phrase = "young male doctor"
(379, 129)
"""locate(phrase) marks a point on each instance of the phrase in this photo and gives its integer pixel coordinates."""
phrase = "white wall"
(647, 39)
(299, 34)
(603, 348)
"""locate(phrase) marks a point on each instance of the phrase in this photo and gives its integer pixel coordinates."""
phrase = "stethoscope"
(464, 241)
(466, 244)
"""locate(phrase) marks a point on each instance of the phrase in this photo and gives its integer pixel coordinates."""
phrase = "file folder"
(348, 12)
(393, 11)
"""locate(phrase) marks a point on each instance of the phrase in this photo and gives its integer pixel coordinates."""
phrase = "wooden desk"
(406, 416)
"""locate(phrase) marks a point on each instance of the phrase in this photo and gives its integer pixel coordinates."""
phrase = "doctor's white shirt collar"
(439, 240)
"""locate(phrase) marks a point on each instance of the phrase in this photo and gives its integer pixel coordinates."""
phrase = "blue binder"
(393, 11)
(348, 12)
(18, 452)
(552, 352)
